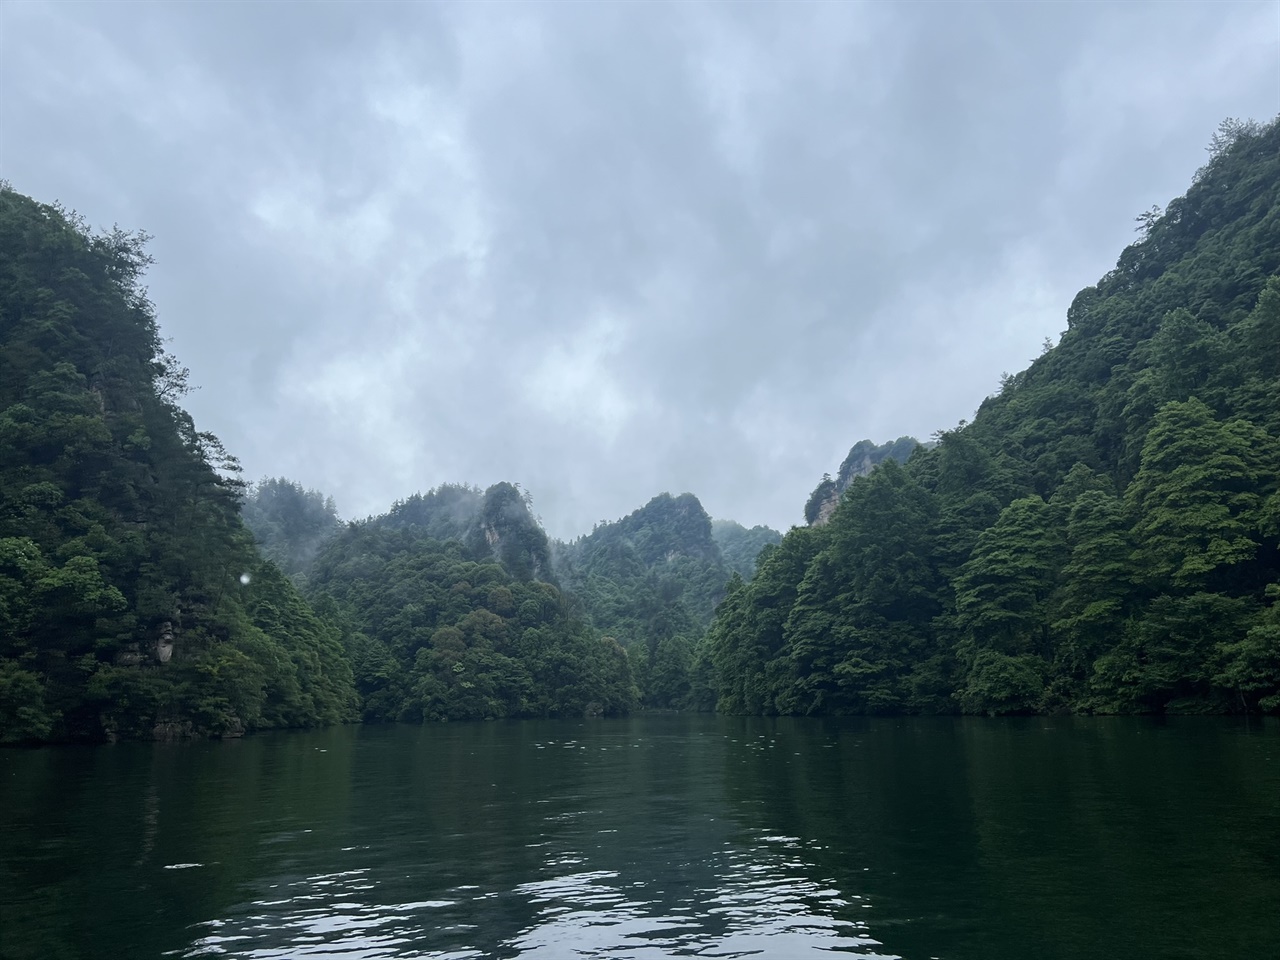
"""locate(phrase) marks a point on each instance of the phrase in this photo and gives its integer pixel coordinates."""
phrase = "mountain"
(652, 581)
(495, 524)
(864, 457)
(739, 546)
(132, 601)
(1103, 537)
(646, 585)
(449, 611)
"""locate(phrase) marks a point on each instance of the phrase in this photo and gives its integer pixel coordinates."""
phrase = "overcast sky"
(607, 250)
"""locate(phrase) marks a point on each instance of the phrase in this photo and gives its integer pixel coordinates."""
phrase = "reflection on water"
(322, 916)
(762, 904)
(651, 838)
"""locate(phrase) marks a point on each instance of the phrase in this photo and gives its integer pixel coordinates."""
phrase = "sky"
(606, 250)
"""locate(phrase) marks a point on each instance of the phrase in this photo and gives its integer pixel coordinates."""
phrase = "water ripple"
(761, 901)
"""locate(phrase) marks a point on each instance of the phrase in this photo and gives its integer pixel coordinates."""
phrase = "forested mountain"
(496, 524)
(1102, 537)
(864, 456)
(739, 546)
(651, 580)
(449, 612)
(647, 583)
(132, 601)
(289, 523)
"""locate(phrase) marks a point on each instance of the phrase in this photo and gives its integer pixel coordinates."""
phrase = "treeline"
(1103, 537)
(290, 524)
(437, 598)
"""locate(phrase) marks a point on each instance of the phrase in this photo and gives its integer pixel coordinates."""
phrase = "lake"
(658, 836)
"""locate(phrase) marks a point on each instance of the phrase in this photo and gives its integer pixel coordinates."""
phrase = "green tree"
(1097, 590)
(860, 635)
(1197, 497)
(289, 523)
(1003, 607)
(744, 642)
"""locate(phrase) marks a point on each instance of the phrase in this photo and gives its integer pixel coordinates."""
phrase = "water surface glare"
(663, 836)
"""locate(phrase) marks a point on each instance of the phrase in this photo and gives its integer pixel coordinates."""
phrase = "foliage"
(122, 607)
(1104, 536)
(289, 523)
(652, 581)
(446, 630)
(739, 546)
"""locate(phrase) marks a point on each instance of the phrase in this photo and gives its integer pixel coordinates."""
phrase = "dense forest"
(449, 611)
(647, 583)
(132, 600)
(290, 523)
(652, 581)
(739, 546)
(1103, 537)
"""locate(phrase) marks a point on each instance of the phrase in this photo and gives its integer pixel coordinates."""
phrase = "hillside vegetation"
(132, 600)
(1102, 537)
(652, 581)
(449, 612)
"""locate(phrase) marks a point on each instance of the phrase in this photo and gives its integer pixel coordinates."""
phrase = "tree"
(1097, 587)
(1002, 607)
(289, 523)
(861, 628)
(1197, 496)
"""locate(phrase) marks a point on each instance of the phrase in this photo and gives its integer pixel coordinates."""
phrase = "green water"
(654, 837)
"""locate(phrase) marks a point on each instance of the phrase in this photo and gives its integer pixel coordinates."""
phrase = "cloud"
(612, 249)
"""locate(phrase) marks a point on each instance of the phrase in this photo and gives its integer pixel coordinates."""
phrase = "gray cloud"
(611, 249)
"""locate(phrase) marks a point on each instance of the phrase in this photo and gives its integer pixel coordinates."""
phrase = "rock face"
(497, 523)
(235, 729)
(864, 457)
(511, 535)
(827, 508)
(168, 730)
(164, 642)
